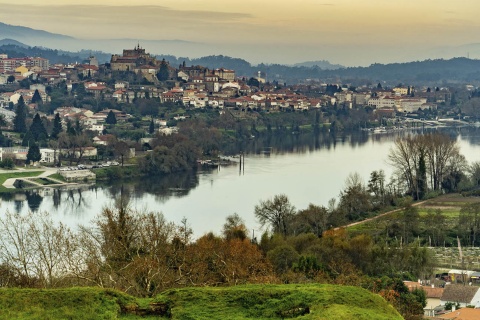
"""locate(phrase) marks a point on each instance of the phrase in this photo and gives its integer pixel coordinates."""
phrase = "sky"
(348, 32)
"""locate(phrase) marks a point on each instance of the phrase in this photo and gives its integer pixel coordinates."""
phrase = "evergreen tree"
(151, 128)
(33, 154)
(78, 127)
(28, 139)
(19, 121)
(36, 97)
(163, 73)
(4, 141)
(70, 129)
(57, 127)
(111, 118)
(38, 129)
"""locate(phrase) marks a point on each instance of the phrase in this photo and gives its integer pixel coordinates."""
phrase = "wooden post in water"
(242, 163)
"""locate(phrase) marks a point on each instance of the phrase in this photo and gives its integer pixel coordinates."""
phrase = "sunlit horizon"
(344, 31)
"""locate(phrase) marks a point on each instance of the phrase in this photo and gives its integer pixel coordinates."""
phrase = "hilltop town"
(136, 96)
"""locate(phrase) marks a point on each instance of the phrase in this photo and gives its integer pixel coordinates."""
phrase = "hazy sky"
(350, 32)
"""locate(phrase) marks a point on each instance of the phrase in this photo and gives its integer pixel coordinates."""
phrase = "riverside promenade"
(46, 172)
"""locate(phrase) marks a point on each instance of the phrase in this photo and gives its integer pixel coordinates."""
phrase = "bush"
(7, 163)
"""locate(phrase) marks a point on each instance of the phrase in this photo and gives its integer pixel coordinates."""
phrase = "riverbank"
(37, 177)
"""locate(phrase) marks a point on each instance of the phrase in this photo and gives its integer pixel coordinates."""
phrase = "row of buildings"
(201, 87)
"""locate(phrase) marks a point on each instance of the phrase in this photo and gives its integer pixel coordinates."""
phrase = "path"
(45, 174)
(379, 216)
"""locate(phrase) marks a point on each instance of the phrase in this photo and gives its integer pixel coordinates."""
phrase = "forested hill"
(431, 71)
(15, 49)
(456, 69)
(434, 72)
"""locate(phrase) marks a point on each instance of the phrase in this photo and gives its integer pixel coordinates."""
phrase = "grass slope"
(241, 302)
(276, 302)
(16, 174)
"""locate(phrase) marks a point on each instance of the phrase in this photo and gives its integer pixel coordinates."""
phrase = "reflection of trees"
(18, 204)
(34, 199)
(286, 142)
(7, 196)
(75, 200)
(162, 186)
(57, 198)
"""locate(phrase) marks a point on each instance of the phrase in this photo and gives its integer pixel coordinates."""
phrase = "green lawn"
(16, 174)
(57, 176)
(239, 302)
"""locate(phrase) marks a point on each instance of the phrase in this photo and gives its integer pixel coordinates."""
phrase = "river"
(307, 169)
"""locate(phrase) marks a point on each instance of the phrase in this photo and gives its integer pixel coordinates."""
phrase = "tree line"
(143, 254)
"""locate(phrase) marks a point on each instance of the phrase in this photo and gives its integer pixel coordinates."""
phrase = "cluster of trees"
(168, 158)
(428, 162)
(143, 254)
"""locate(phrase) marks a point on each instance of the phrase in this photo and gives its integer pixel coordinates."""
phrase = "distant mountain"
(54, 56)
(6, 42)
(435, 71)
(322, 64)
(16, 32)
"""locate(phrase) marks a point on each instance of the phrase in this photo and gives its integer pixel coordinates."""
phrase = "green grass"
(116, 172)
(276, 302)
(16, 174)
(239, 302)
(57, 176)
(43, 181)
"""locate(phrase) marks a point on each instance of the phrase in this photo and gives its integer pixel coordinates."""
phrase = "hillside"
(240, 302)
(16, 49)
(23, 33)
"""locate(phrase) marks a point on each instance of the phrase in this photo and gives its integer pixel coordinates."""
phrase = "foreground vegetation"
(240, 302)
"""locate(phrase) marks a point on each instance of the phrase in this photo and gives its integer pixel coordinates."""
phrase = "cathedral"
(133, 59)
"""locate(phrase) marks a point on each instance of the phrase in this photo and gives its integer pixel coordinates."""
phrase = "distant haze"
(343, 32)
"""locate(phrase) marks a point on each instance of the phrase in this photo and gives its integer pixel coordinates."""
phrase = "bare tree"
(15, 247)
(122, 150)
(34, 247)
(422, 159)
(277, 212)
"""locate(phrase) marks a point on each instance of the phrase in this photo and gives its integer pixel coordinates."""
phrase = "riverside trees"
(425, 162)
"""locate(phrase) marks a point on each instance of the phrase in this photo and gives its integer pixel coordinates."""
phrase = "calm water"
(307, 169)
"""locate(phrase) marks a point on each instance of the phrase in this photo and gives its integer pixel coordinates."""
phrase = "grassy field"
(449, 206)
(16, 174)
(240, 302)
(446, 255)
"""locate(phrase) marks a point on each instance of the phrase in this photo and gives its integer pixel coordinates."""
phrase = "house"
(103, 139)
(19, 153)
(86, 152)
(461, 314)
(49, 155)
(465, 295)
(433, 295)
(119, 115)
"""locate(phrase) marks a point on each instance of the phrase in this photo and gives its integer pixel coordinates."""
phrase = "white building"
(49, 155)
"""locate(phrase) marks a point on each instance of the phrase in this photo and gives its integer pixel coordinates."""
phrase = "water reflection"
(34, 200)
(294, 168)
(163, 187)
